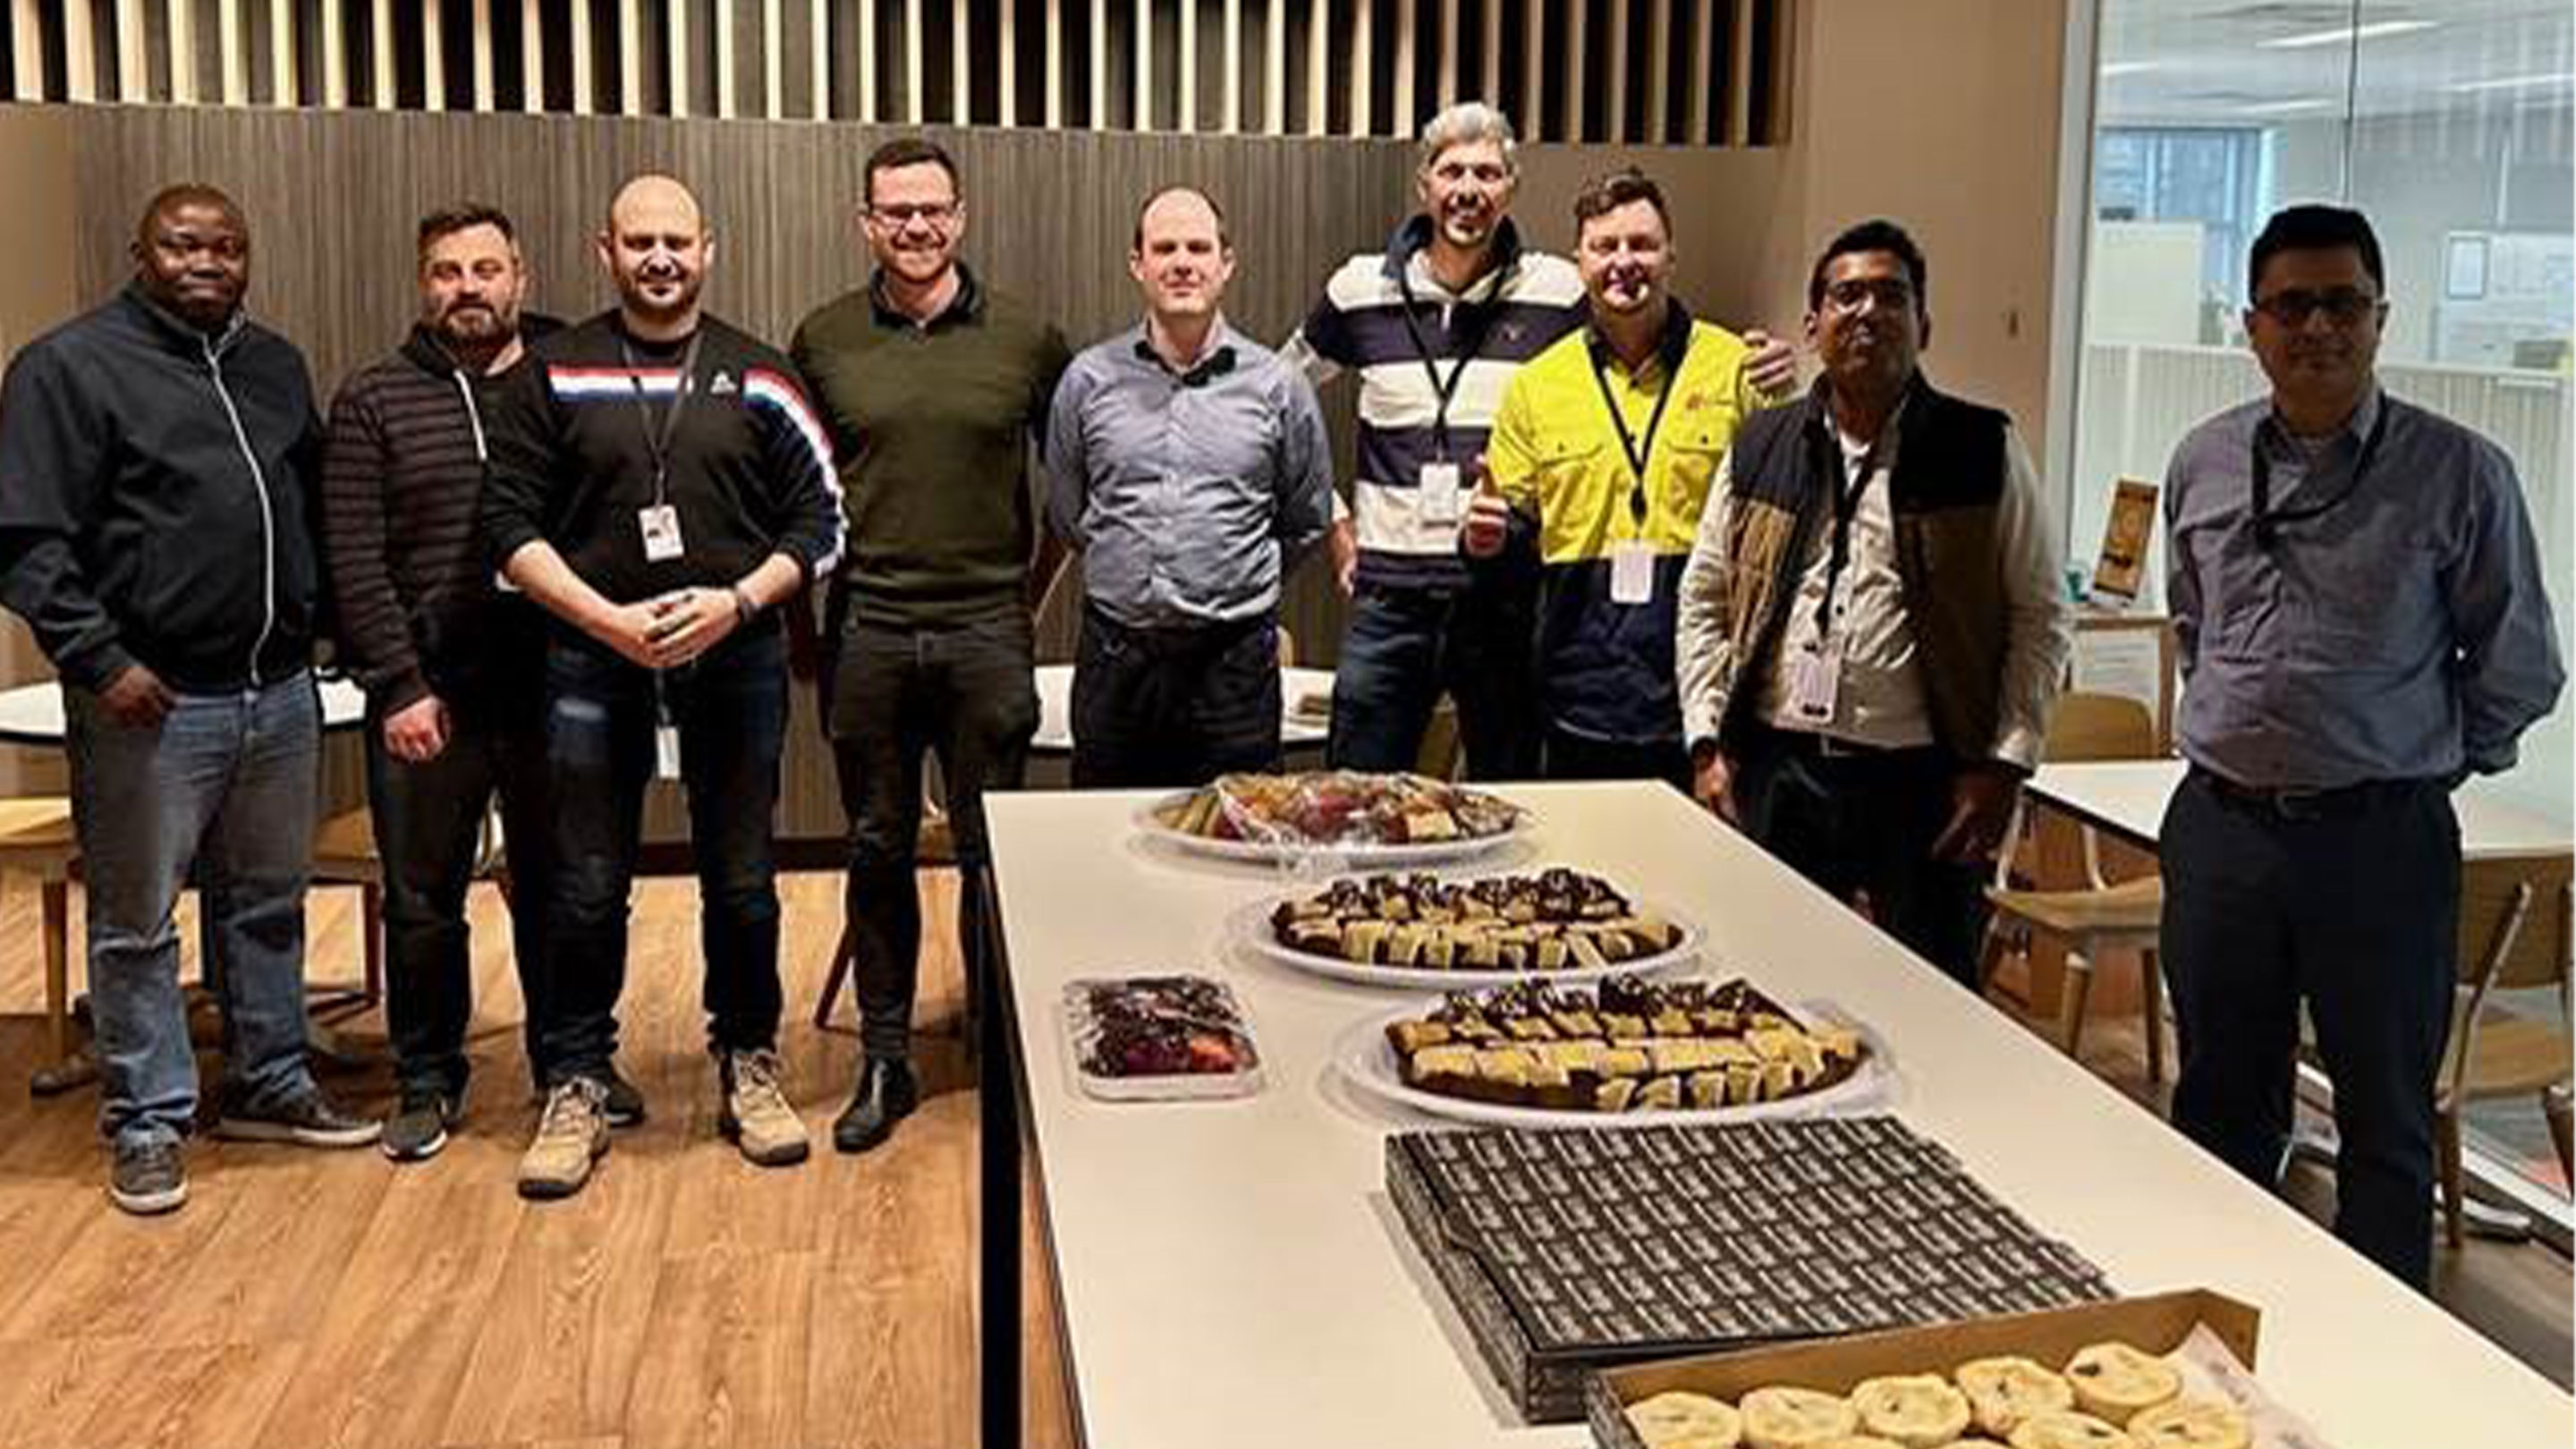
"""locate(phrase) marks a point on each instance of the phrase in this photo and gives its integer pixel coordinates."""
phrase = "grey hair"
(1464, 124)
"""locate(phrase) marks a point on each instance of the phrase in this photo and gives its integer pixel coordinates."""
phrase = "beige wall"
(38, 289)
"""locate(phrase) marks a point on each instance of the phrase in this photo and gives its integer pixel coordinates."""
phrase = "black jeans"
(1865, 823)
(1580, 757)
(1175, 707)
(967, 693)
(1403, 647)
(730, 706)
(2350, 906)
(429, 822)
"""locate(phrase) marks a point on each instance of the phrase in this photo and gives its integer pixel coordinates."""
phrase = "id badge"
(666, 751)
(1632, 572)
(1440, 493)
(661, 525)
(1815, 678)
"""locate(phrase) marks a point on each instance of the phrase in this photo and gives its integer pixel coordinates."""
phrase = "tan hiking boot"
(757, 1116)
(570, 1137)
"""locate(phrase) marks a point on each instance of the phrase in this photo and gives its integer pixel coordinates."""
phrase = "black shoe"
(886, 1095)
(301, 1115)
(419, 1126)
(149, 1176)
(625, 1104)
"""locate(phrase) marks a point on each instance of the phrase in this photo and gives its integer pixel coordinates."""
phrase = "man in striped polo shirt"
(1436, 325)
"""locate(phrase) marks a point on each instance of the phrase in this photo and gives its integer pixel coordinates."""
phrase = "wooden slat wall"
(1591, 70)
(336, 277)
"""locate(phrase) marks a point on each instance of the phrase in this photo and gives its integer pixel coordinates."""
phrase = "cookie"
(1918, 1411)
(1682, 1420)
(1859, 1441)
(2069, 1430)
(2114, 1381)
(2191, 1424)
(1791, 1418)
(2004, 1391)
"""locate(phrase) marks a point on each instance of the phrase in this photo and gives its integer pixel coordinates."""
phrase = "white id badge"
(1815, 678)
(661, 525)
(1632, 572)
(666, 751)
(1440, 493)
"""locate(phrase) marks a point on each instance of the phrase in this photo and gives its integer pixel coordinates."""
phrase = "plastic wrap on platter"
(1160, 1026)
(1339, 808)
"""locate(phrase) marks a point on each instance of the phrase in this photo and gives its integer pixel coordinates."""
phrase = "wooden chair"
(344, 854)
(2101, 915)
(1441, 745)
(2517, 932)
(36, 841)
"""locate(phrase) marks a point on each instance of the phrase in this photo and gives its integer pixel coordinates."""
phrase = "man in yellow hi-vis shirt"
(1606, 446)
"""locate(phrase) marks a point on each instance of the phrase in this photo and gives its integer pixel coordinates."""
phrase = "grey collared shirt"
(1189, 494)
(2400, 633)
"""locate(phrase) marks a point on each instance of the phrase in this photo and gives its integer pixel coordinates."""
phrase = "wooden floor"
(310, 1299)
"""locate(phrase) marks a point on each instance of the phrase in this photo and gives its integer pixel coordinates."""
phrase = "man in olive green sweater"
(933, 388)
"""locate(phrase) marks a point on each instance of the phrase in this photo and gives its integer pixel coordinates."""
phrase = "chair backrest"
(1287, 648)
(1057, 623)
(1438, 757)
(2516, 921)
(2100, 727)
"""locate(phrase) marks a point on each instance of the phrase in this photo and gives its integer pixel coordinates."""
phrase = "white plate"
(1363, 1054)
(1250, 929)
(1339, 859)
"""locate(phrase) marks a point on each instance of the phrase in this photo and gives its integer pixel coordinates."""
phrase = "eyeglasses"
(1891, 293)
(2343, 306)
(901, 215)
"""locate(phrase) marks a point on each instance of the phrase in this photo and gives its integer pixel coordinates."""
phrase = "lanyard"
(1422, 348)
(658, 445)
(2267, 524)
(1640, 451)
(1855, 481)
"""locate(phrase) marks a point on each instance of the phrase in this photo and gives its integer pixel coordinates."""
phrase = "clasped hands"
(671, 629)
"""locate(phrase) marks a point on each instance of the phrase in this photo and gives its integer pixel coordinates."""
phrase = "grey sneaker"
(756, 1116)
(301, 1115)
(571, 1136)
(419, 1126)
(148, 1176)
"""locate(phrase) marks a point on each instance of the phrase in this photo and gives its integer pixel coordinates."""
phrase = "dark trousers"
(730, 706)
(1863, 824)
(1174, 707)
(429, 821)
(1404, 647)
(967, 693)
(2349, 905)
(1580, 757)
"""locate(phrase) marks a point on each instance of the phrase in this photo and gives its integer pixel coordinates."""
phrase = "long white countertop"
(1232, 1273)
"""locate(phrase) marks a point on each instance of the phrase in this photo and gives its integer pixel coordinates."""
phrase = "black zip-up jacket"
(402, 472)
(156, 498)
(750, 471)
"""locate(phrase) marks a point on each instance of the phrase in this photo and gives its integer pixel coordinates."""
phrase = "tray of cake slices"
(1568, 1251)
(1365, 820)
(1159, 1039)
(1416, 930)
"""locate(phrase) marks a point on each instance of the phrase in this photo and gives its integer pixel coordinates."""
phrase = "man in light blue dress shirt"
(2362, 626)
(1190, 466)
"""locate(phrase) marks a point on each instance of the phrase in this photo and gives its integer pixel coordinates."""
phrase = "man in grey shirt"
(2362, 625)
(1191, 467)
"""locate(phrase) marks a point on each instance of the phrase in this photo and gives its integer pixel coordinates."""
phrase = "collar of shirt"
(1670, 350)
(2273, 433)
(966, 306)
(1408, 259)
(1216, 357)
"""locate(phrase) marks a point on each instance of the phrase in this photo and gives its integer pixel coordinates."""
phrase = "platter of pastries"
(1159, 1038)
(1415, 931)
(1366, 819)
(1536, 1053)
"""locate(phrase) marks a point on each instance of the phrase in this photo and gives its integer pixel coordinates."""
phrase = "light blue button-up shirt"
(1189, 493)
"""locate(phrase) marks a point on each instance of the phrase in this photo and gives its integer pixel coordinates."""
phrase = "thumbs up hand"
(1489, 518)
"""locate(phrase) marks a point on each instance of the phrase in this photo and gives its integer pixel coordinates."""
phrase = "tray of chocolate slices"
(1159, 1039)
(1627, 1050)
(1419, 930)
(1568, 1251)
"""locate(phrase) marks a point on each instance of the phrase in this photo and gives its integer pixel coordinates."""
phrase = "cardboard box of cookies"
(2158, 1372)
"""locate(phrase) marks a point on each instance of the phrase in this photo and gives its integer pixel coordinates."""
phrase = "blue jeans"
(1404, 647)
(730, 706)
(222, 792)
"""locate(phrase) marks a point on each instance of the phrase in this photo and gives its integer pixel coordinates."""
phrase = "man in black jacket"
(155, 474)
(453, 667)
(660, 485)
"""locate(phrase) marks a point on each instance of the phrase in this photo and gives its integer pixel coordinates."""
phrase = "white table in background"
(2127, 798)
(1298, 728)
(32, 714)
(1232, 1272)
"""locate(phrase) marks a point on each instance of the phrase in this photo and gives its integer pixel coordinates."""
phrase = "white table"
(32, 714)
(2127, 798)
(1297, 728)
(1232, 1271)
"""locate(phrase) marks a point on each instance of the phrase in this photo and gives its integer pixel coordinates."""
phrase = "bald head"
(1175, 204)
(1181, 260)
(192, 254)
(657, 250)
